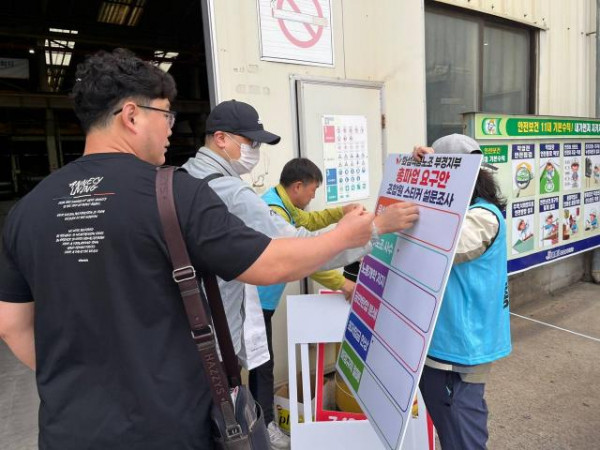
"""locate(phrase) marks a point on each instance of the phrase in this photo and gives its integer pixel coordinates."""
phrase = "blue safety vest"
(271, 295)
(473, 326)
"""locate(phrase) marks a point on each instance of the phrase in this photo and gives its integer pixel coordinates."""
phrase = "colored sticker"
(351, 365)
(358, 335)
(366, 305)
(383, 249)
(373, 274)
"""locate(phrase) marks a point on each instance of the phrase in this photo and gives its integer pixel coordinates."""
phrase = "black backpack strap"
(212, 176)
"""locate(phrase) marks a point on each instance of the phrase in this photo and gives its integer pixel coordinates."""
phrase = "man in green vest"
(298, 183)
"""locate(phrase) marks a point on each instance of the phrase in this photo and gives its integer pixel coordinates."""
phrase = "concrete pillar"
(51, 141)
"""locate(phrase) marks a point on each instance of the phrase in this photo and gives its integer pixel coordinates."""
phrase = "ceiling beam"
(50, 101)
(136, 40)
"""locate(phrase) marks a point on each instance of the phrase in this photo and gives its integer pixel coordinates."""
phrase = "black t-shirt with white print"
(116, 367)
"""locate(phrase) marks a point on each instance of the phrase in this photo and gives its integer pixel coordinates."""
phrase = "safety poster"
(549, 171)
(346, 158)
(400, 288)
(296, 31)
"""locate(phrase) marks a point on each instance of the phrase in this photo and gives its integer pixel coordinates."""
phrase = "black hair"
(105, 79)
(487, 189)
(300, 169)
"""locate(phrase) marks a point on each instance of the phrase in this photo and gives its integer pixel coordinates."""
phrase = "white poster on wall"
(296, 31)
(345, 158)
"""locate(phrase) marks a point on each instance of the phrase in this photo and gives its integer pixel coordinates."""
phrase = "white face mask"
(249, 158)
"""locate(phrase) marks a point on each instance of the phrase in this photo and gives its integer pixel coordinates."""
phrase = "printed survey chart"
(400, 287)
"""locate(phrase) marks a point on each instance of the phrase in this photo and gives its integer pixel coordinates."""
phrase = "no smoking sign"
(296, 31)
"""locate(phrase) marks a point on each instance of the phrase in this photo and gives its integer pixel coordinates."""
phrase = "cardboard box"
(282, 403)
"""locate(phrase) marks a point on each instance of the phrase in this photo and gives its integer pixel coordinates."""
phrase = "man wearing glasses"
(116, 367)
(234, 133)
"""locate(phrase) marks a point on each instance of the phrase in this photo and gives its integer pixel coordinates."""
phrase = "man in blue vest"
(473, 326)
(298, 183)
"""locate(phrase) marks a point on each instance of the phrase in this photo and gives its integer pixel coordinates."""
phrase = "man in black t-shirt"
(85, 259)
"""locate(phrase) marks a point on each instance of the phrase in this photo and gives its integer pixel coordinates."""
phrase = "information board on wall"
(346, 158)
(400, 287)
(549, 171)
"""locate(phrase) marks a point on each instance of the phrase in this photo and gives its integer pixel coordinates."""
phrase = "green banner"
(494, 154)
(521, 126)
(488, 126)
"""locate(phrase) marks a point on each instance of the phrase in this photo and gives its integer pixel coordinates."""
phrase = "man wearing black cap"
(234, 133)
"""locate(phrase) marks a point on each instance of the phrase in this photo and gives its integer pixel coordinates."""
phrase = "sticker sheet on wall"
(346, 158)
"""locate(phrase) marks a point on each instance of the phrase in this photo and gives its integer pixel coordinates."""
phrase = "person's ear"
(219, 139)
(128, 116)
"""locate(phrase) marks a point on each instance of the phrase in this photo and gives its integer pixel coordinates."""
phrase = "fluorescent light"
(164, 59)
(58, 53)
(121, 12)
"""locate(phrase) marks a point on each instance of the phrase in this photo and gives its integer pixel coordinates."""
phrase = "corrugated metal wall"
(566, 78)
(532, 12)
(384, 41)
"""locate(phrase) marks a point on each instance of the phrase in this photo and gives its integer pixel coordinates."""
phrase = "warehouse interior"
(41, 43)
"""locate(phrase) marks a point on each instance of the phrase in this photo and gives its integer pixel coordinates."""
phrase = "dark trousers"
(261, 379)
(458, 409)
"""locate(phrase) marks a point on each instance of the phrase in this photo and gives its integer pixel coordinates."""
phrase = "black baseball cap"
(239, 118)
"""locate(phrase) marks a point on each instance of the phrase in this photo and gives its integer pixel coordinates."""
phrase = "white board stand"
(322, 319)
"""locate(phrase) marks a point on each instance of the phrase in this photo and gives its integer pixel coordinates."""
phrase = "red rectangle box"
(322, 414)
(383, 203)
(328, 134)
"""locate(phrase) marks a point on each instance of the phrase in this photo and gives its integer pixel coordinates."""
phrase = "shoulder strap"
(222, 328)
(212, 176)
(220, 319)
(212, 292)
(185, 277)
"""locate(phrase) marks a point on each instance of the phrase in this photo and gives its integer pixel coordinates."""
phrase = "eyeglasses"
(255, 145)
(169, 115)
